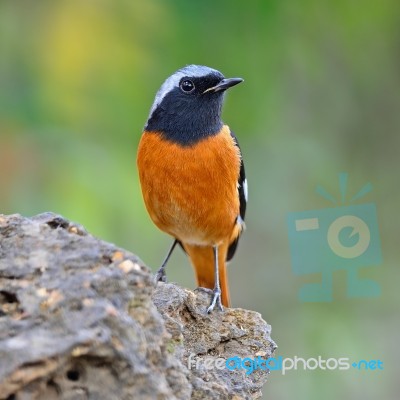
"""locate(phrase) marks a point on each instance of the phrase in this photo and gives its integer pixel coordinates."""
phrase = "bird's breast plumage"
(191, 192)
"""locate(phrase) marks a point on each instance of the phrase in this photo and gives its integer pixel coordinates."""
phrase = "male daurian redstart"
(192, 174)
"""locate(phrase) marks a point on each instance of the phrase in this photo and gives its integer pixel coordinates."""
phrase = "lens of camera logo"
(359, 228)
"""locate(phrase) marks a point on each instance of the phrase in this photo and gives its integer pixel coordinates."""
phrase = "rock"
(81, 319)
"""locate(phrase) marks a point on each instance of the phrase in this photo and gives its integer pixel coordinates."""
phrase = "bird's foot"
(216, 300)
(160, 276)
(216, 297)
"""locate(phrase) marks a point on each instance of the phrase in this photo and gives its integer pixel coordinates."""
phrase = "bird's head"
(188, 105)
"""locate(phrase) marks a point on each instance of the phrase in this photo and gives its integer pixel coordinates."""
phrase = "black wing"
(242, 189)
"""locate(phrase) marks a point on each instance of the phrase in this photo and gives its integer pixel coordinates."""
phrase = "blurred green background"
(321, 96)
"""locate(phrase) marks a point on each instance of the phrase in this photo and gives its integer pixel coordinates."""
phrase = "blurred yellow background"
(321, 96)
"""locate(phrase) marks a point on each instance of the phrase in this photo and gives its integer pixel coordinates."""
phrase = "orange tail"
(202, 259)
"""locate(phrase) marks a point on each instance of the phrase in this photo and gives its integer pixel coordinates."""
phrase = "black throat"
(186, 120)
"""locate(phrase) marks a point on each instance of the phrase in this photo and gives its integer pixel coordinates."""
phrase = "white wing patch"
(245, 190)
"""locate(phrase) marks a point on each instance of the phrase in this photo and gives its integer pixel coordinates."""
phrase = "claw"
(160, 276)
(216, 299)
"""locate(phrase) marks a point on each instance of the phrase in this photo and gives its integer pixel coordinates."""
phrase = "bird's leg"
(216, 299)
(161, 275)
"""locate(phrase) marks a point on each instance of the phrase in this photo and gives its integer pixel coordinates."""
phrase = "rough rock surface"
(81, 319)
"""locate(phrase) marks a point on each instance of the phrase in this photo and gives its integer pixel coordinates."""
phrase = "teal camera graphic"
(337, 238)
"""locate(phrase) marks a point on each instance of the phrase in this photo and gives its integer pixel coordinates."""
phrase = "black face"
(188, 113)
(198, 85)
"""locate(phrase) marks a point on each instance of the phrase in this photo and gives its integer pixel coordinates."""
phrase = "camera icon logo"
(339, 238)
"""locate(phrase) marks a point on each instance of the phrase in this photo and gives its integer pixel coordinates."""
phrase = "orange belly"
(191, 192)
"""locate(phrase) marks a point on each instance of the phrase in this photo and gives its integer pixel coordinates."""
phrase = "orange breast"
(191, 192)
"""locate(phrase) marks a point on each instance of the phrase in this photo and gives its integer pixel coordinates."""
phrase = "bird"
(192, 175)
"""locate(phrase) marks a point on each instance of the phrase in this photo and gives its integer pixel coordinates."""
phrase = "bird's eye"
(187, 86)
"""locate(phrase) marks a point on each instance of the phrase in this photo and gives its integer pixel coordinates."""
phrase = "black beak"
(223, 85)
